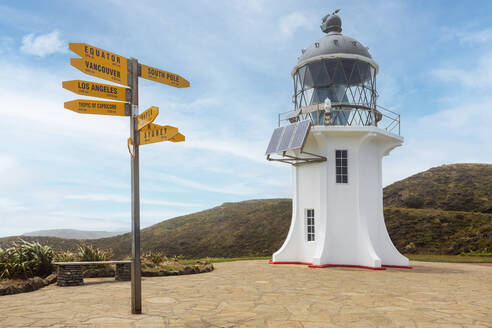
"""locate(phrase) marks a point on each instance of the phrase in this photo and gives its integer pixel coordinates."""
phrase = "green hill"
(259, 227)
(457, 187)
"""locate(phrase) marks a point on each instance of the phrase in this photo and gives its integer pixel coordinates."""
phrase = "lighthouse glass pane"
(348, 67)
(302, 72)
(308, 79)
(341, 166)
(330, 66)
(349, 83)
(319, 73)
(365, 71)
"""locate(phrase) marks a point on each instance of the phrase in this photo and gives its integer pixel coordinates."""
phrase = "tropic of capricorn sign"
(115, 68)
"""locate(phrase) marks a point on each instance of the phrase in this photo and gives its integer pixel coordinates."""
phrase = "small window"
(341, 166)
(310, 225)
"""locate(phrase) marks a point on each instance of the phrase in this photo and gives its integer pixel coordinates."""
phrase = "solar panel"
(302, 131)
(274, 141)
(286, 138)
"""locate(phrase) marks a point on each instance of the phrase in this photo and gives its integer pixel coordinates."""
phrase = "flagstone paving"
(258, 294)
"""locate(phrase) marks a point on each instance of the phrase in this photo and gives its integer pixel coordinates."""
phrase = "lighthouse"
(335, 139)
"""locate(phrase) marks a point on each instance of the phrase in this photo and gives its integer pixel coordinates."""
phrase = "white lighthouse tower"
(335, 139)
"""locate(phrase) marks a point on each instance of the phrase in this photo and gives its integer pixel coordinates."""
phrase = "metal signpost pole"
(115, 68)
(135, 267)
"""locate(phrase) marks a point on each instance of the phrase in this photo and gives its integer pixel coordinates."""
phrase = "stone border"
(28, 285)
(186, 270)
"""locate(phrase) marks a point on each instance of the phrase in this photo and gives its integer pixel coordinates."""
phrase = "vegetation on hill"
(259, 227)
(428, 231)
(456, 187)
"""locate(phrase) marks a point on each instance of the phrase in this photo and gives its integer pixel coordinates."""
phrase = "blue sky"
(59, 169)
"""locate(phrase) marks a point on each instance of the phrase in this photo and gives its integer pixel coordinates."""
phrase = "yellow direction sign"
(102, 71)
(147, 117)
(158, 75)
(178, 138)
(156, 133)
(99, 56)
(86, 106)
(100, 90)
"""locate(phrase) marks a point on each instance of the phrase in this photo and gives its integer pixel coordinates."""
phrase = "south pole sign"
(112, 67)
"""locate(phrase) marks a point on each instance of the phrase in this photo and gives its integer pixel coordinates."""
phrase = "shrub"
(414, 201)
(177, 258)
(155, 257)
(65, 256)
(25, 260)
(88, 253)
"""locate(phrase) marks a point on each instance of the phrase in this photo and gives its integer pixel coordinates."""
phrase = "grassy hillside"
(259, 227)
(429, 231)
(428, 213)
(457, 187)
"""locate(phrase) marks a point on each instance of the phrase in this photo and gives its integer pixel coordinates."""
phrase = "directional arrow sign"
(156, 133)
(102, 71)
(178, 138)
(158, 75)
(100, 90)
(99, 56)
(98, 107)
(147, 117)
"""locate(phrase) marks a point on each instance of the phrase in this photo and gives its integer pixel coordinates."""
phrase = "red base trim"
(304, 263)
(398, 266)
(331, 265)
(346, 266)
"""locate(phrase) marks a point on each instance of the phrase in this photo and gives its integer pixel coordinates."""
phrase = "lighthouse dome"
(333, 43)
(339, 70)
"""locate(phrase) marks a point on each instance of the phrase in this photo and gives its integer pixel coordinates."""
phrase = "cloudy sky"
(59, 169)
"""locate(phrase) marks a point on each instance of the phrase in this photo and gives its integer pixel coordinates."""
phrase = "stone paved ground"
(257, 294)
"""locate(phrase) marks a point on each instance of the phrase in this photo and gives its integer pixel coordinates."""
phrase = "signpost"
(100, 70)
(99, 90)
(158, 75)
(88, 106)
(147, 117)
(156, 133)
(115, 68)
(100, 56)
(178, 138)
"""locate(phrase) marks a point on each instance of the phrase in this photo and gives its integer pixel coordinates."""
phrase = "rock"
(51, 278)
(23, 286)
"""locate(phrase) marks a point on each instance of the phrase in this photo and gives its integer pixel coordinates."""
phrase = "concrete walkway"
(257, 294)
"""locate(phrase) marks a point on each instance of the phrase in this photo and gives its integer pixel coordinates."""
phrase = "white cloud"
(250, 6)
(478, 77)
(482, 36)
(236, 189)
(13, 174)
(459, 133)
(6, 44)
(290, 23)
(8, 205)
(127, 200)
(466, 119)
(44, 44)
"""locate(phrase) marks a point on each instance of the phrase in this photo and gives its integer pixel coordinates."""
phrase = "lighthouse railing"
(342, 114)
